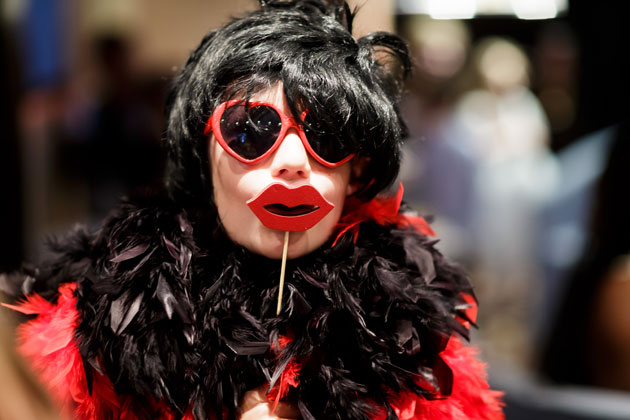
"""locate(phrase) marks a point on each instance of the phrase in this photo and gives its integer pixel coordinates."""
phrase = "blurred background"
(518, 149)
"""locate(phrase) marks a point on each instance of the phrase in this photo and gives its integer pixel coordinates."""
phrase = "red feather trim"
(471, 398)
(48, 343)
(384, 211)
(470, 311)
(289, 377)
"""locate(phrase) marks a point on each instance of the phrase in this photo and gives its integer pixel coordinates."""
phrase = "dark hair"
(351, 84)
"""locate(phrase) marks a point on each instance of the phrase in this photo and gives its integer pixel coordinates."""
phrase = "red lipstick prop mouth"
(290, 209)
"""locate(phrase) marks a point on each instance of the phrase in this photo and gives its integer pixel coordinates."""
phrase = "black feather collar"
(186, 316)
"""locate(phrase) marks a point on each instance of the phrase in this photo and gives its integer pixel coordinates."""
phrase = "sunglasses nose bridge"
(291, 122)
(291, 159)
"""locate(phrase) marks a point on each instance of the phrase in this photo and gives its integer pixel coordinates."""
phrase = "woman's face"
(236, 183)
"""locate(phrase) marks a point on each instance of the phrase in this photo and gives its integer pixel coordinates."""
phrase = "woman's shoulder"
(136, 230)
(99, 287)
(471, 398)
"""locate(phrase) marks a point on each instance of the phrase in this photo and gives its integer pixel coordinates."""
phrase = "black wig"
(350, 84)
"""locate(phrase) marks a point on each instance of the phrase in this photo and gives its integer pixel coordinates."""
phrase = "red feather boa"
(48, 343)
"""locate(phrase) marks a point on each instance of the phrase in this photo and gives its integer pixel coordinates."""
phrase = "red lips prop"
(290, 209)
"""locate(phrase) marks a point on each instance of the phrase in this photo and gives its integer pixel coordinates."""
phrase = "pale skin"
(256, 406)
(235, 183)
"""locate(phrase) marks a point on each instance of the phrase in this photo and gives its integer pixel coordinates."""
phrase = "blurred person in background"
(440, 51)
(115, 147)
(85, 124)
(501, 126)
(436, 175)
(555, 61)
(589, 342)
(480, 162)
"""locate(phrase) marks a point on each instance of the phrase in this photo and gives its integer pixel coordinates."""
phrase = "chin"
(303, 243)
(272, 243)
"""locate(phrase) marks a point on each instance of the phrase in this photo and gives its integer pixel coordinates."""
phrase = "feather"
(27, 285)
(420, 257)
(247, 349)
(172, 249)
(122, 313)
(277, 373)
(184, 224)
(306, 415)
(130, 253)
(185, 255)
(297, 302)
(165, 296)
(142, 262)
(288, 378)
(384, 211)
(31, 305)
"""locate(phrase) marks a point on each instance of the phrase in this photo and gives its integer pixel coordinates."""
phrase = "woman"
(281, 130)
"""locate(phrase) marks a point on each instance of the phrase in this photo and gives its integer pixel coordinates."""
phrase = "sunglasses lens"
(327, 145)
(250, 131)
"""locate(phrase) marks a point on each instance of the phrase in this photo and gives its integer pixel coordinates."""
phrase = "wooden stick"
(282, 271)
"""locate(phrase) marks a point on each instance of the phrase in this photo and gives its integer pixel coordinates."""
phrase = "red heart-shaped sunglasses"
(251, 131)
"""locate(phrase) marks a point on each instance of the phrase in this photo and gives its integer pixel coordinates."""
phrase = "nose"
(290, 160)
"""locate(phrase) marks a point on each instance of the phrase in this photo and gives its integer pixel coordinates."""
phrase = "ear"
(358, 165)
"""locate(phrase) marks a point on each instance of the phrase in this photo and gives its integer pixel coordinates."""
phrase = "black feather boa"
(174, 310)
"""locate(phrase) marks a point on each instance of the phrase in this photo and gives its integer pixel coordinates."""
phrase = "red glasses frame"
(214, 124)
